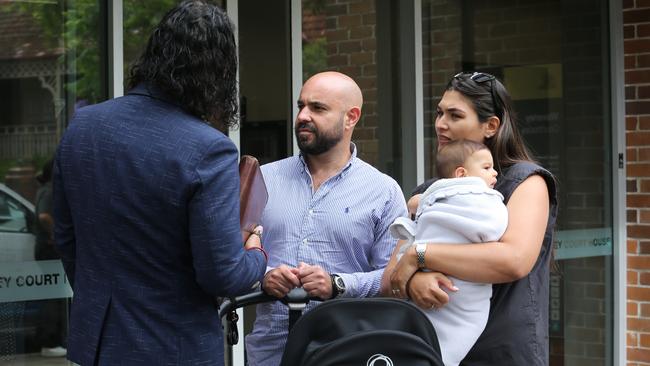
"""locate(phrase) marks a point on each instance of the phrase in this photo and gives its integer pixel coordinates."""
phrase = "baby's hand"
(412, 205)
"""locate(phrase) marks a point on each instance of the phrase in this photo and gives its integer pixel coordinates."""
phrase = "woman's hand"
(254, 239)
(426, 289)
(402, 273)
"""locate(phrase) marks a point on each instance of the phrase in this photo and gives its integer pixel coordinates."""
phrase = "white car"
(17, 220)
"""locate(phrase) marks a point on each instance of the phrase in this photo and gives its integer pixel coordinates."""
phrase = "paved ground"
(34, 359)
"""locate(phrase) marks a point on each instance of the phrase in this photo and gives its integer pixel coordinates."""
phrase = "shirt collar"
(346, 168)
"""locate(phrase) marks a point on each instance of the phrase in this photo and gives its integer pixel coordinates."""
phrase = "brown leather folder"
(252, 195)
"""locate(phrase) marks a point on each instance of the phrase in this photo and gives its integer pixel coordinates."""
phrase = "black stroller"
(370, 332)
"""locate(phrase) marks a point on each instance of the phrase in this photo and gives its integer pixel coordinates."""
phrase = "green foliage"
(83, 37)
(314, 6)
(36, 161)
(140, 17)
(73, 26)
(314, 57)
(79, 28)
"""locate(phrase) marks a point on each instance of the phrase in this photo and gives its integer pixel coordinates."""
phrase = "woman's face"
(456, 120)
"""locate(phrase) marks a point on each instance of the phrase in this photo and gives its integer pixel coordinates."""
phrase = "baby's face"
(480, 164)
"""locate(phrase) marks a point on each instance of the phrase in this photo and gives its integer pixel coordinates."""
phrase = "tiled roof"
(21, 37)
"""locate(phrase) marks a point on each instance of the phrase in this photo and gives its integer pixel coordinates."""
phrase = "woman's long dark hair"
(191, 57)
(490, 98)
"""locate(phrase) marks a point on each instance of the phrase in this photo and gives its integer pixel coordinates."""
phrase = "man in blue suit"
(146, 197)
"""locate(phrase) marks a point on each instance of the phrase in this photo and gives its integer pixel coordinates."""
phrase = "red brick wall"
(636, 30)
(350, 38)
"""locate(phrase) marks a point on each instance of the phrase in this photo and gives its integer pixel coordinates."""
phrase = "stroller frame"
(371, 331)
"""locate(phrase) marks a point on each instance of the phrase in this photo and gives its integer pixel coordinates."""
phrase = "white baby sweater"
(457, 210)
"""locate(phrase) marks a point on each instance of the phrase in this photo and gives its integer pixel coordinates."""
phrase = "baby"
(462, 207)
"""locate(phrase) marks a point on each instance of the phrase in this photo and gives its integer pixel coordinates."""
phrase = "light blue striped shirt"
(342, 227)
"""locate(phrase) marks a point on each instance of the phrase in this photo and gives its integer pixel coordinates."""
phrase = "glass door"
(52, 61)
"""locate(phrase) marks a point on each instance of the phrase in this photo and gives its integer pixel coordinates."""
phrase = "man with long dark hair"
(146, 203)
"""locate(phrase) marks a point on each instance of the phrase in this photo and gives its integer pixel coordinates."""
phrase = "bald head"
(329, 107)
(338, 85)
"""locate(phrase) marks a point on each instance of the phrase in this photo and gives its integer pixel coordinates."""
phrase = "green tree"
(78, 27)
(140, 17)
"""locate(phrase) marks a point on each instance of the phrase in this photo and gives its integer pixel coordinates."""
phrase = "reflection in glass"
(52, 61)
(354, 37)
(139, 20)
(140, 17)
(265, 87)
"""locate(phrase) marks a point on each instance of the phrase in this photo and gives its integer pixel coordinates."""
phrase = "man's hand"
(279, 281)
(425, 289)
(315, 281)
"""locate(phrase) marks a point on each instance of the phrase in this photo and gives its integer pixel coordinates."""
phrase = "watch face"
(339, 283)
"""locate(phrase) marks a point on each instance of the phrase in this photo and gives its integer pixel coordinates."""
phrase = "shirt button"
(311, 212)
(304, 241)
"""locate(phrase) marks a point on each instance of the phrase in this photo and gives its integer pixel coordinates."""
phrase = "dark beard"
(321, 142)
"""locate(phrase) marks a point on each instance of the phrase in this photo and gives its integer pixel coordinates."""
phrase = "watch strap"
(335, 288)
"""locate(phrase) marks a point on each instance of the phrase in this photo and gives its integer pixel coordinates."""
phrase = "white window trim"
(419, 99)
(296, 63)
(619, 223)
(115, 49)
(238, 351)
(232, 10)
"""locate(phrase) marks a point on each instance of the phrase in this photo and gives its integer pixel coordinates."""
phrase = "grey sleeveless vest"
(517, 330)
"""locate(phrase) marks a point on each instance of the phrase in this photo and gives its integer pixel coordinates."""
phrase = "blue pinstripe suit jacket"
(147, 223)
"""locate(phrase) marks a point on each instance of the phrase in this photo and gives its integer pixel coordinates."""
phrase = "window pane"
(52, 61)
(552, 55)
(265, 87)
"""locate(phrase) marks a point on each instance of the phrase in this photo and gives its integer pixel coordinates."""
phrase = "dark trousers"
(52, 324)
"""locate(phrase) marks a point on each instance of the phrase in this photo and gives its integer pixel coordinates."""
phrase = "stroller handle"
(296, 296)
(296, 300)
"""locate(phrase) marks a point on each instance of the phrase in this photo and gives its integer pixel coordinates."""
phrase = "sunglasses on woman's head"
(480, 77)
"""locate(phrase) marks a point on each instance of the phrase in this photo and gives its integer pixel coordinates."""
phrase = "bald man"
(327, 218)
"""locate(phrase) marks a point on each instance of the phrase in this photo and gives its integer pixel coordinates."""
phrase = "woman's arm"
(496, 262)
(385, 289)
(428, 293)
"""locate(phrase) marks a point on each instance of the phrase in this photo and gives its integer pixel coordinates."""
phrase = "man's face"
(320, 124)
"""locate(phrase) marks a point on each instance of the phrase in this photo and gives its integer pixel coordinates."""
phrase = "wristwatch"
(420, 249)
(338, 286)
